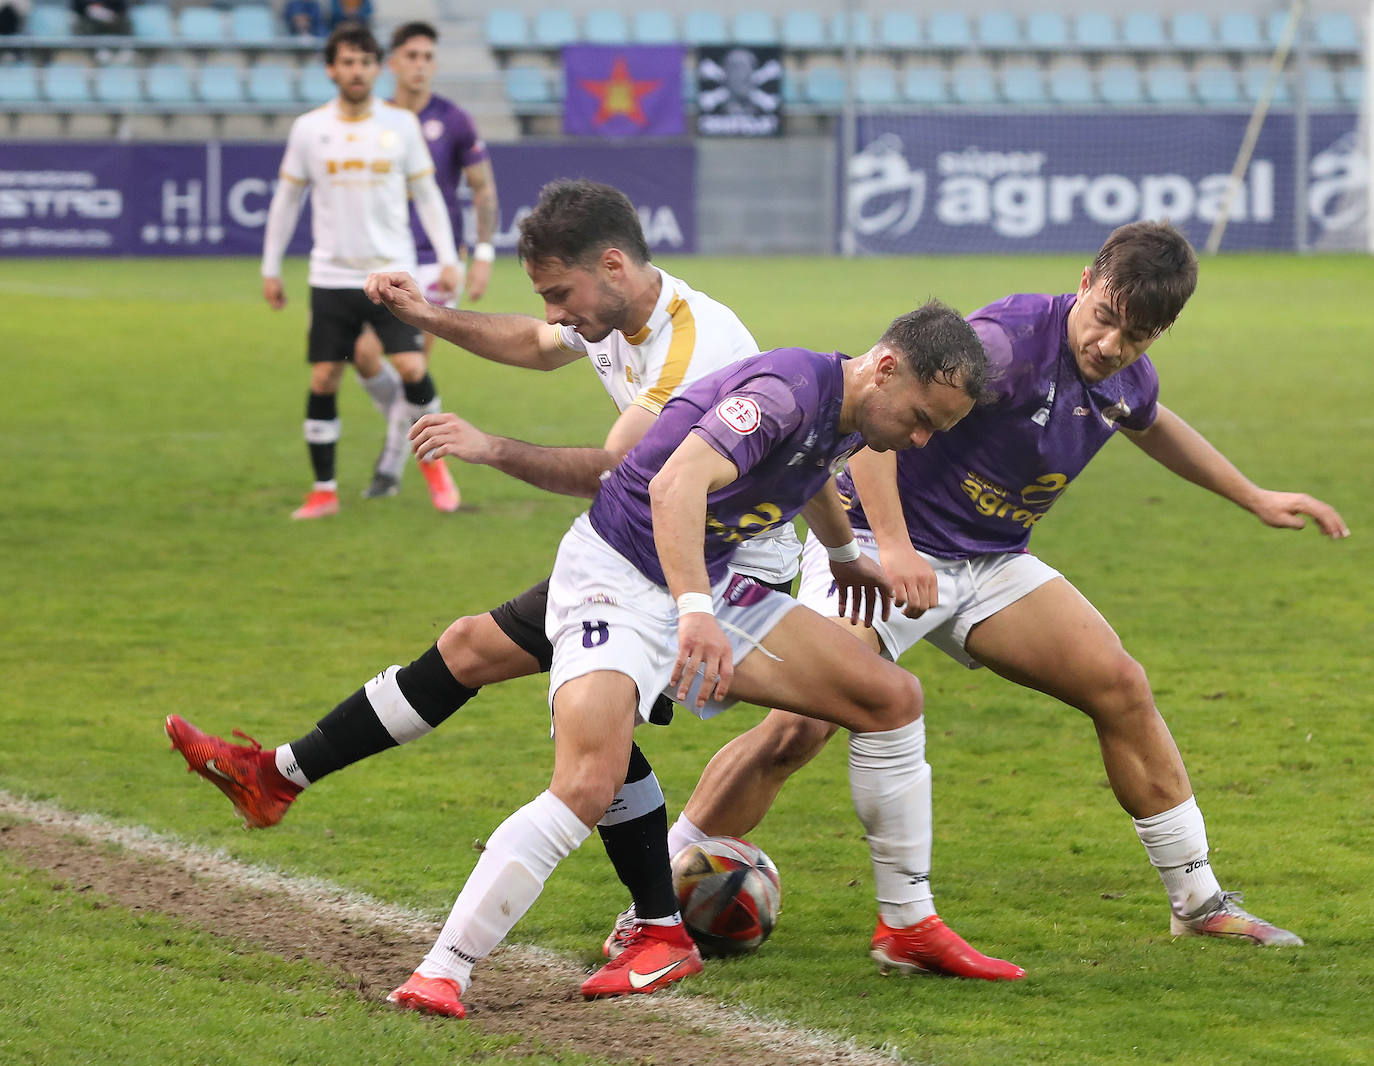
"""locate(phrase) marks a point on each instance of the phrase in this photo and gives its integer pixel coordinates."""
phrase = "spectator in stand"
(102, 16)
(359, 11)
(303, 18)
(13, 15)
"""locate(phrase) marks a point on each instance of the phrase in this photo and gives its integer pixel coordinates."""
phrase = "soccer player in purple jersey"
(459, 154)
(950, 526)
(641, 599)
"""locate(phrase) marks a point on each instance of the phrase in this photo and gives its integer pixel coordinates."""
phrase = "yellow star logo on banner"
(620, 94)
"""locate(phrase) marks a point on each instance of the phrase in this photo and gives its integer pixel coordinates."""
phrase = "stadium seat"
(1239, 31)
(315, 87)
(793, 92)
(168, 83)
(219, 83)
(19, 83)
(507, 30)
(1118, 84)
(50, 20)
(803, 30)
(1335, 31)
(855, 24)
(1350, 81)
(925, 83)
(1216, 84)
(875, 85)
(655, 27)
(1319, 86)
(1191, 31)
(152, 22)
(605, 26)
(825, 87)
(755, 27)
(252, 23)
(704, 27)
(1023, 83)
(271, 83)
(999, 31)
(385, 87)
(1095, 31)
(66, 83)
(201, 24)
(1166, 83)
(527, 86)
(554, 27)
(1143, 31)
(117, 85)
(949, 30)
(1048, 30)
(1274, 26)
(899, 29)
(1254, 75)
(1071, 83)
(973, 82)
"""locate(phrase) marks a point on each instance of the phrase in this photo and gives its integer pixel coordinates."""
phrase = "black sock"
(638, 849)
(322, 408)
(420, 392)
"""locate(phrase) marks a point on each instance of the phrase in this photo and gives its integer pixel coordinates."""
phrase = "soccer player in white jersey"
(364, 162)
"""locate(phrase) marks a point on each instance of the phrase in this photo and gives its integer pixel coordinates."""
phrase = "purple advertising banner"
(1059, 182)
(623, 90)
(212, 199)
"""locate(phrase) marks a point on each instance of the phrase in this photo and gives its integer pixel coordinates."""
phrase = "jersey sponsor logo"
(740, 413)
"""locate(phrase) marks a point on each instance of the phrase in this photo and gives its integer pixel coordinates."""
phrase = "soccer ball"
(729, 894)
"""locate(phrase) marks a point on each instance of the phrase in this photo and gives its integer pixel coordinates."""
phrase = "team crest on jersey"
(432, 128)
(387, 138)
(740, 413)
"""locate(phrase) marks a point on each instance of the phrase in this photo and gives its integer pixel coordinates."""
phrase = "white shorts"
(970, 590)
(773, 557)
(603, 614)
(427, 278)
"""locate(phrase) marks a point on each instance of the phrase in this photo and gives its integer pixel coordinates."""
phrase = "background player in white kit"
(364, 161)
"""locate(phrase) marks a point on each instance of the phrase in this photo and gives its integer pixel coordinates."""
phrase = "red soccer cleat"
(319, 503)
(243, 772)
(443, 493)
(930, 946)
(431, 995)
(652, 956)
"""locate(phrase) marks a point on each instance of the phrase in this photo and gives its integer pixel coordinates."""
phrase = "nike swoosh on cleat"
(643, 980)
(210, 765)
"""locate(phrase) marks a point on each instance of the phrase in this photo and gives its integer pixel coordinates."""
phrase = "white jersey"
(688, 336)
(358, 170)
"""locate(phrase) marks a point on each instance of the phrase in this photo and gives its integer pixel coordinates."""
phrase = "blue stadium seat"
(50, 20)
(655, 27)
(925, 83)
(1144, 31)
(704, 27)
(1048, 30)
(973, 82)
(1071, 83)
(1239, 31)
(554, 27)
(385, 86)
(1118, 84)
(1335, 31)
(606, 26)
(19, 83)
(201, 24)
(66, 83)
(875, 85)
(755, 27)
(527, 86)
(1253, 77)
(1166, 83)
(899, 29)
(793, 91)
(152, 22)
(315, 87)
(999, 30)
(803, 30)
(168, 83)
(1216, 84)
(117, 85)
(1095, 31)
(858, 25)
(1319, 84)
(949, 29)
(272, 83)
(1273, 28)
(1191, 31)
(1023, 83)
(251, 23)
(1350, 81)
(825, 87)
(219, 83)
(507, 30)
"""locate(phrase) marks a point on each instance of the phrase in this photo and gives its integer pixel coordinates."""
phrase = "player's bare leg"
(1053, 640)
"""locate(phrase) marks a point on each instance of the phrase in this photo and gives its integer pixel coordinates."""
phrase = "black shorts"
(337, 318)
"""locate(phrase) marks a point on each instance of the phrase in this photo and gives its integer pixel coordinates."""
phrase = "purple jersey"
(454, 144)
(982, 485)
(775, 416)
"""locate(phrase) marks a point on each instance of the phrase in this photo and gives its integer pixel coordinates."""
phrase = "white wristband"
(483, 252)
(695, 603)
(845, 553)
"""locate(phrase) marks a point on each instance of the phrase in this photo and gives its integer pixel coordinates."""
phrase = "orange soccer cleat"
(319, 503)
(443, 493)
(432, 995)
(650, 957)
(243, 772)
(930, 946)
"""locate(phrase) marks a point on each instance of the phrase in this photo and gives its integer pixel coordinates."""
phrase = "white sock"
(325, 486)
(518, 859)
(289, 768)
(1176, 842)
(402, 415)
(889, 780)
(681, 833)
(383, 388)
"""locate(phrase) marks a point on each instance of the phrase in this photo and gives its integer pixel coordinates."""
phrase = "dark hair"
(407, 30)
(938, 345)
(576, 220)
(354, 33)
(1148, 270)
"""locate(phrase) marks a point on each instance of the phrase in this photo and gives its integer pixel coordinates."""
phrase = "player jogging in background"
(364, 161)
(459, 155)
(950, 525)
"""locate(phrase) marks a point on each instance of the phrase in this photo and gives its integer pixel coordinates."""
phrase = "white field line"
(803, 1047)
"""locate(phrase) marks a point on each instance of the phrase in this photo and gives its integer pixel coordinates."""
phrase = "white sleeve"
(429, 206)
(281, 223)
(570, 340)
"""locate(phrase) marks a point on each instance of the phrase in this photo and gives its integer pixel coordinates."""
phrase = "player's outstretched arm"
(861, 583)
(914, 587)
(1179, 447)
